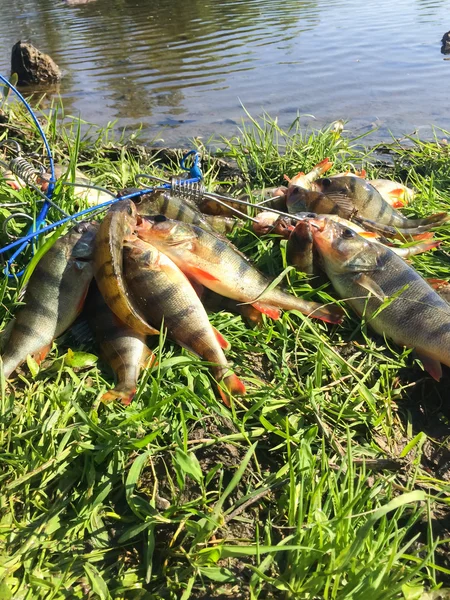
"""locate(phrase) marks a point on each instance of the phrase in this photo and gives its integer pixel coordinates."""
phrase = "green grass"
(325, 481)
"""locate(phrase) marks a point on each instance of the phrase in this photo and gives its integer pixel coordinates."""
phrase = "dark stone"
(445, 48)
(32, 65)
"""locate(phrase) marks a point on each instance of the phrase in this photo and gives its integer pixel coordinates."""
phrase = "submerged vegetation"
(329, 479)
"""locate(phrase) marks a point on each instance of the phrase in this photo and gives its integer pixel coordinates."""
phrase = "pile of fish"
(162, 262)
(132, 274)
(348, 239)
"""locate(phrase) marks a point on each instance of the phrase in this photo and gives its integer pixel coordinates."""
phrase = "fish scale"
(215, 263)
(117, 226)
(54, 296)
(367, 274)
(367, 201)
(164, 295)
(161, 202)
(124, 349)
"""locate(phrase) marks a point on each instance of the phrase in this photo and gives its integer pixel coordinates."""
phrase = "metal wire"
(187, 189)
(10, 218)
(24, 170)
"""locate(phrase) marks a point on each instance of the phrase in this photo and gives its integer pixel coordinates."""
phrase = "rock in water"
(32, 65)
(445, 48)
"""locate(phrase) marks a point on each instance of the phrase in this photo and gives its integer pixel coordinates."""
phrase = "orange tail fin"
(125, 396)
(234, 386)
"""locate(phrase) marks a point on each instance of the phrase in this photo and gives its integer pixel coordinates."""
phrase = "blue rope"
(91, 209)
(37, 229)
(45, 208)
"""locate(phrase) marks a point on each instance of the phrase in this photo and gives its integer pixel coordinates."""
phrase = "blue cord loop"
(195, 171)
(38, 228)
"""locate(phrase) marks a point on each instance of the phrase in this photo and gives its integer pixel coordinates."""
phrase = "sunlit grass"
(312, 486)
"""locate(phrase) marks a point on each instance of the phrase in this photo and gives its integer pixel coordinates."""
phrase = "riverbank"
(330, 479)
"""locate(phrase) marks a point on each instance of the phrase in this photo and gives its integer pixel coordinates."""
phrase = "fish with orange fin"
(396, 194)
(423, 243)
(348, 196)
(173, 206)
(117, 226)
(54, 297)
(305, 180)
(394, 299)
(214, 262)
(300, 248)
(269, 222)
(165, 296)
(124, 349)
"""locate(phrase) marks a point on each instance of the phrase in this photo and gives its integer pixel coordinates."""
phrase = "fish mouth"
(318, 223)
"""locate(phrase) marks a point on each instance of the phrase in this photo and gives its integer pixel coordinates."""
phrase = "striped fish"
(162, 202)
(353, 195)
(117, 226)
(121, 347)
(396, 194)
(214, 262)
(423, 244)
(54, 297)
(270, 222)
(367, 275)
(215, 303)
(299, 248)
(164, 294)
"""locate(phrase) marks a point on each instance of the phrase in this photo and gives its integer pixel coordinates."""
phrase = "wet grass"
(330, 479)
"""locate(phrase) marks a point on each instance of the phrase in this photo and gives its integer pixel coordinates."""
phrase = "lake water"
(186, 68)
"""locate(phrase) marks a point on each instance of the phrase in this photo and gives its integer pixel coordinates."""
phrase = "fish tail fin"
(432, 220)
(234, 387)
(125, 395)
(324, 165)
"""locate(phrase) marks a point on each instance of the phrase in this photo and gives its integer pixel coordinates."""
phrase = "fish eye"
(348, 234)
(130, 210)
(159, 219)
(326, 181)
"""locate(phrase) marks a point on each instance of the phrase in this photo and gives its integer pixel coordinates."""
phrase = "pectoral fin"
(224, 343)
(370, 285)
(431, 365)
(342, 201)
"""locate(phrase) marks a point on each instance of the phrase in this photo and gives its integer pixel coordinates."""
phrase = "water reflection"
(189, 65)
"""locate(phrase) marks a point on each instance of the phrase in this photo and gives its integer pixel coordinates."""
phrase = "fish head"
(302, 234)
(298, 199)
(342, 250)
(140, 250)
(150, 204)
(126, 212)
(165, 231)
(79, 242)
(330, 185)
